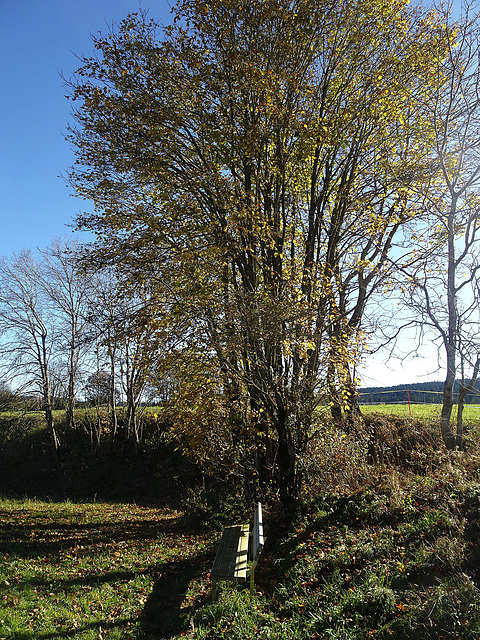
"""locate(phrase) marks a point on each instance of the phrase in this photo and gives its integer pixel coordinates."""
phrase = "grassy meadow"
(471, 412)
(385, 544)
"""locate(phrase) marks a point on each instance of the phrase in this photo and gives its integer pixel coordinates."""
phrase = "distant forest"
(419, 393)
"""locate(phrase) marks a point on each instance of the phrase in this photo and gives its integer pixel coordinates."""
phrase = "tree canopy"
(251, 167)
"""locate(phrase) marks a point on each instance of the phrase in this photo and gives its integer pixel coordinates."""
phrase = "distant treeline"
(419, 393)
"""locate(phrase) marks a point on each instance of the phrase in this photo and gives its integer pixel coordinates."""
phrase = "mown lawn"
(97, 570)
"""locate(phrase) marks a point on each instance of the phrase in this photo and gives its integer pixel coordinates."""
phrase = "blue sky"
(39, 41)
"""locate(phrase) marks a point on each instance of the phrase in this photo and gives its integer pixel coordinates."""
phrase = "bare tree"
(27, 331)
(443, 283)
(102, 304)
(66, 287)
(128, 341)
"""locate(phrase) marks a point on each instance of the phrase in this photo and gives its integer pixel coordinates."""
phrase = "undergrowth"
(386, 544)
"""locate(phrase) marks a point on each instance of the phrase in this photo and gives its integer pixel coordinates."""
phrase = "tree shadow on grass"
(167, 610)
(27, 536)
(165, 614)
(101, 627)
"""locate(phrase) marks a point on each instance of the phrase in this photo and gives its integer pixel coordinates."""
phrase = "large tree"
(239, 160)
(443, 279)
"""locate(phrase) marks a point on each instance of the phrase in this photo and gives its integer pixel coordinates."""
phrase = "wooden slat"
(258, 539)
(231, 560)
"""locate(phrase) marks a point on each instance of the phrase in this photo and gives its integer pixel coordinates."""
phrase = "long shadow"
(78, 581)
(166, 611)
(35, 538)
(102, 625)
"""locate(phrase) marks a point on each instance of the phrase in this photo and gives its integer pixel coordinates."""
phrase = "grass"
(423, 411)
(396, 561)
(97, 570)
(386, 548)
(391, 563)
(362, 567)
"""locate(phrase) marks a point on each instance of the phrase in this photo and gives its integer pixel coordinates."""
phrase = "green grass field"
(471, 412)
(422, 411)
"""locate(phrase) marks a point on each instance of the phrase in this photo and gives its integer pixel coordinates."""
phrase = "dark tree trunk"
(335, 404)
(286, 466)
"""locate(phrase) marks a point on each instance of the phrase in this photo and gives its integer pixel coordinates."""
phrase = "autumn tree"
(238, 163)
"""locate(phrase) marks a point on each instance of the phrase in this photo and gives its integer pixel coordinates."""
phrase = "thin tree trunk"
(132, 426)
(70, 413)
(47, 399)
(451, 337)
(447, 405)
(112, 402)
(462, 394)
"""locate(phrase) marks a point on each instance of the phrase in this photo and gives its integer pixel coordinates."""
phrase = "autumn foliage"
(254, 166)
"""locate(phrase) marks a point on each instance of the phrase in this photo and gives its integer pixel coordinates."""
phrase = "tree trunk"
(132, 424)
(335, 405)
(112, 401)
(462, 394)
(447, 406)
(287, 480)
(47, 398)
(47, 408)
(70, 413)
(450, 339)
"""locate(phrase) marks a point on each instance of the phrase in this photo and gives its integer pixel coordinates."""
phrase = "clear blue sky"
(39, 40)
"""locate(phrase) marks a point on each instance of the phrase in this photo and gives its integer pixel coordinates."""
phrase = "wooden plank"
(232, 554)
(258, 539)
